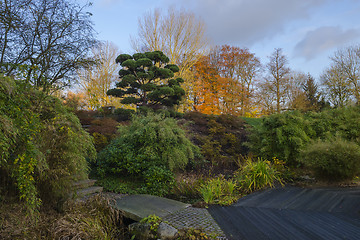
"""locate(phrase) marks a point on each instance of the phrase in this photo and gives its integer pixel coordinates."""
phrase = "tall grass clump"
(255, 175)
(219, 191)
(92, 219)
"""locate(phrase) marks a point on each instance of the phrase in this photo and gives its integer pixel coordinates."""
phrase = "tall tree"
(208, 88)
(44, 41)
(296, 97)
(278, 80)
(179, 34)
(146, 79)
(240, 67)
(347, 64)
(312, 93)
(96, 79)
(230, 71)
(336, 87)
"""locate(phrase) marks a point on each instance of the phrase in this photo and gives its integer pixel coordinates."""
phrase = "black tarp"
(293, 213)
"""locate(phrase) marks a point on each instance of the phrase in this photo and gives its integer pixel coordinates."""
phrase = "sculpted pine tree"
(146, 79)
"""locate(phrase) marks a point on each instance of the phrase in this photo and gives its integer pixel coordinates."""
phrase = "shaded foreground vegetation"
(43, 146)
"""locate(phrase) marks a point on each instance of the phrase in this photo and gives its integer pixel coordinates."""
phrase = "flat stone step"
(84, 183)
(139, 206)
(88, 191)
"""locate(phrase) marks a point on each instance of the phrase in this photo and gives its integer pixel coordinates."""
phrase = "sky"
(308, 31)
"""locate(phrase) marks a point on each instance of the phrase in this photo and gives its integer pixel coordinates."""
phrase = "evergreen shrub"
(333, 160)
(150, 148)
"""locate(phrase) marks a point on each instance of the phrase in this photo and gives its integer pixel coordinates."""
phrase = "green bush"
(286, 135)
(281, 135)
(159, 180)
(121, 185)
(333, 160)
(42, 144)
(123, 114)
(341, 122)
(150, 148)
(256, 175)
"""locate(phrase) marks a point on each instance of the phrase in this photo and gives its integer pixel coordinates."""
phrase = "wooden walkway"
(293, 213)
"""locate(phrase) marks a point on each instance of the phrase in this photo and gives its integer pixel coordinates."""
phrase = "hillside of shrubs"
(196, 158)
(187, 156)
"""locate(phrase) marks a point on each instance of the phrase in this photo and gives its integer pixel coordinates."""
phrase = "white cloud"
(246, 22)
(324, 39)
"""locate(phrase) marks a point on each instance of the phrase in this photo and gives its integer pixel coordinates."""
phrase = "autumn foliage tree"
(225, 81)
(208, 87)
(146, 79)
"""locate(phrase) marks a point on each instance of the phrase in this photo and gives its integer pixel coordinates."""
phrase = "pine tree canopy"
(146, 79)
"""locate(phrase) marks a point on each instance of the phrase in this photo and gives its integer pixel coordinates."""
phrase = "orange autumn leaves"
(224, 81)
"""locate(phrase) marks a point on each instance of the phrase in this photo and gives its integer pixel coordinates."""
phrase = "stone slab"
(88, 191)
(139, 206)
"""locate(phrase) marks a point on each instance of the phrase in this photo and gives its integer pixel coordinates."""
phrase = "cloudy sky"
(308, 31)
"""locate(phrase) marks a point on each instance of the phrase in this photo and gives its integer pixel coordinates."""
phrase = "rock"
(167, 232)
(307, 178)
(142, 231)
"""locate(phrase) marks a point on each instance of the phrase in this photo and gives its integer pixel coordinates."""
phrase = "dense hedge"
(286, 135)
(335, 159)
(42, 144)
(281, 136)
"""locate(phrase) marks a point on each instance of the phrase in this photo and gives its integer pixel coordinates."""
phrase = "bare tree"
(347, 64)
(278, 80)
(296, 97)
(179, 34)
(98, 78)
(336, 87)
(44, 41)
